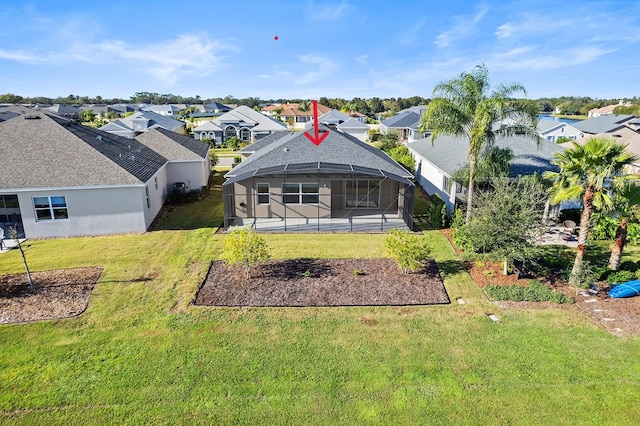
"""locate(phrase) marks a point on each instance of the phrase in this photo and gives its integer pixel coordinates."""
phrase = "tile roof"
(603, 124)
(291, 110)
(45, 151)
(174, 146)
(450, 153)
(337, 151)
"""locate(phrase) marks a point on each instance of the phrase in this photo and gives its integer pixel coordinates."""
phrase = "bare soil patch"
(618, 316)
(58, 294)
(322, 282)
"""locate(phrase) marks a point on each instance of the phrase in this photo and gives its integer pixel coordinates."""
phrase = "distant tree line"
(372, 107)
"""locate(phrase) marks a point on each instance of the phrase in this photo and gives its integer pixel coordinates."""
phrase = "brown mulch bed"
(618, 316)
(328, 282)
(58, 294)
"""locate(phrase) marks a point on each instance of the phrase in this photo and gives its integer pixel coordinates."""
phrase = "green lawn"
(142, 354)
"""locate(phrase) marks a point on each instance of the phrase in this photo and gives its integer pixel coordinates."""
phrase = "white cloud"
(524, 60)
(316, 67)
(190, 54)
(19, 56)
(328, 11)
(463, 26)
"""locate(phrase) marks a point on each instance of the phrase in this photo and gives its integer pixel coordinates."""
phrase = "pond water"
(548, 117)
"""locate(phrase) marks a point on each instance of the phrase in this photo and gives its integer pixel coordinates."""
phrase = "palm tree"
(305, 107)
(464, 107)
(589, 172)
(626, 201)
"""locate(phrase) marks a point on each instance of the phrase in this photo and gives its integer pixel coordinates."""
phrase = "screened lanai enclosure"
(318, 196)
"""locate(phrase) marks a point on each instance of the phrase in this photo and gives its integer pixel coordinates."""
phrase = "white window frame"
(446, 185)
(51, 208)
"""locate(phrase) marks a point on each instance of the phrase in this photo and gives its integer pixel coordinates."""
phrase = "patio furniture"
(1, 238)
(569, 226)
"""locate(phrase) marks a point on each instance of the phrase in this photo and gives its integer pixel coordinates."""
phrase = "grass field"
(142, 354)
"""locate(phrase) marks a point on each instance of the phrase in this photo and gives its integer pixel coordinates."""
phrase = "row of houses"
(63, 179)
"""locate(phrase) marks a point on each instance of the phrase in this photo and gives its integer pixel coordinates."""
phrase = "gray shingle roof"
(450, 153)
(352, 123)
(174, 146)
(150, 120)
(251, 118)
(43, 151)
(338, 151)
(603, 124)
(408, 119)
(263, 142)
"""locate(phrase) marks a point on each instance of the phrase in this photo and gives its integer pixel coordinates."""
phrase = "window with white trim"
(362, 194)
(262, 190)
(446, 185)
(300, 193)
(50, 208)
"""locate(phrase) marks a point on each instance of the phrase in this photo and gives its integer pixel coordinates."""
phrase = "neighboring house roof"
(65, 110)
(174, 146)
(333, 117)
(208, 126)
(45, 151)
(450, 153)
(142, 121)
(604, 110)
(419, 109)
(603, 124)
(263, 142)
(402, 120)
(338, 153)
(291, 110)
(163, 109)
(248, 117)
(123, 108)
(353, 123)
(548, 125)
(216, 106)
(7, 115)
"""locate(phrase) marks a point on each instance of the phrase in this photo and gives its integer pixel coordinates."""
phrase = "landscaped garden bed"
(57, 294)
(322, 282)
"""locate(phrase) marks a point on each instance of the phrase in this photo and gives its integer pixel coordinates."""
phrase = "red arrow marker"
(316, 139)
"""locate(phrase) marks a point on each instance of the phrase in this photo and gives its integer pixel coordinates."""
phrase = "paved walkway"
(555, 235)
(9, 244)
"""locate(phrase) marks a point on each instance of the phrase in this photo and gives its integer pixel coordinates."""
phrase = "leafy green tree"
(244, 246)
(88, 116)
(507, 219)
(589, 172)
(402, 155)
(464, 107)
(409, 250)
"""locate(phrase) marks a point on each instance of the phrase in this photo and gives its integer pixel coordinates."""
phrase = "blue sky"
(325, 48)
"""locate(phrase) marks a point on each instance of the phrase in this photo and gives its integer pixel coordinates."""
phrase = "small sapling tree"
(244, 246)
(13, 234)
(408, 250)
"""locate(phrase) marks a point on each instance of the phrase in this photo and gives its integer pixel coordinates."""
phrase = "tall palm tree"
(463, 106)
(589, 172)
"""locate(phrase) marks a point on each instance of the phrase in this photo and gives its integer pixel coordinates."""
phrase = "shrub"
(535, 292)
(408, 250)
(436, 211)
(244, 246)
(620, 277)
(459, 230)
